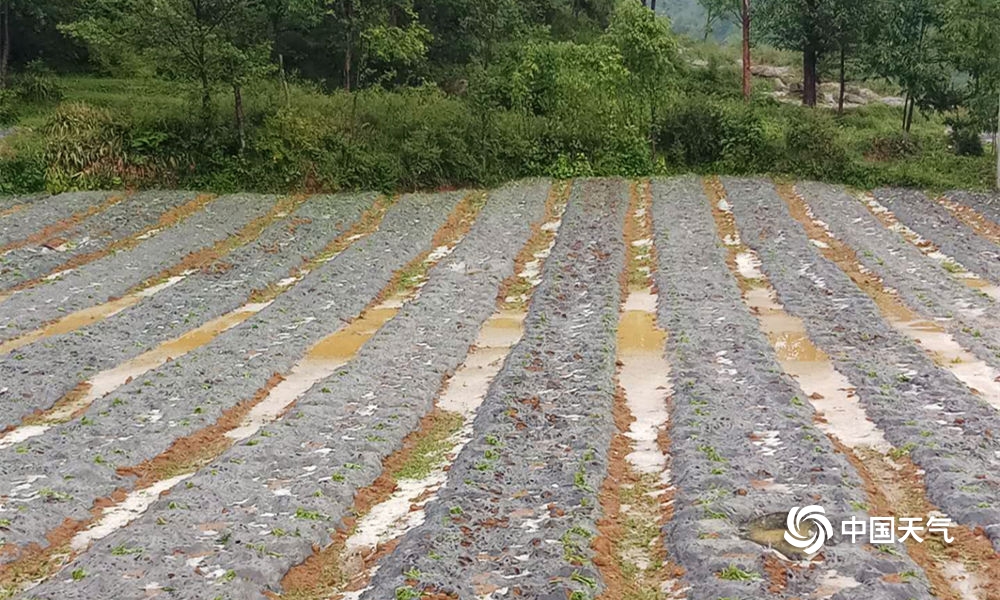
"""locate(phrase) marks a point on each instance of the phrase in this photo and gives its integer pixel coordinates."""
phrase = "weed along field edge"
(597, 388)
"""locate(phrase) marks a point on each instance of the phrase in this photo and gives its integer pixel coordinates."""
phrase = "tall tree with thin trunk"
(903, 45)
(736, 11)
(802, 25)
(384, 40)
(209, 42)
(970, 33)
(745, 22)
(850, 21)
(5, 44)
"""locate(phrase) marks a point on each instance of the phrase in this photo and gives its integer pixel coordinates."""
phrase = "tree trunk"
(349, 52)
(745, 19)
(4, 42)
(240, 117)
(206, 96)
(996, 148)
(652, 5)
(809, 59)
(908, 114)
(843, 80)
(284, 80)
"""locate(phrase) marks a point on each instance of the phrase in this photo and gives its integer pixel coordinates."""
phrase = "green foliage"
(706, 134)
(893, 146)
(964, 138)
(83, 143)
(813, 149)
(463, 93)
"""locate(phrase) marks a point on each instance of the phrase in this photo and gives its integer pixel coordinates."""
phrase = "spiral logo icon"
(805, 520)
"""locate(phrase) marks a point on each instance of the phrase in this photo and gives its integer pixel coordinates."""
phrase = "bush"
(965, 140)
(87, 148)
(813, 149)
(37, 84)
(893, 146)
(22, 174)
(703, 133)
(8, 107)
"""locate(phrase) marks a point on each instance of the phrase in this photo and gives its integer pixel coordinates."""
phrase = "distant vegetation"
(281, 95)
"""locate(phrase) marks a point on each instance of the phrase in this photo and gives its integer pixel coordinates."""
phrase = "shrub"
(965, 140)
(702, 133)
(8, 107)
(37, 84)
(813, 149)
(893, 146)
(22, 174)
(87, 148)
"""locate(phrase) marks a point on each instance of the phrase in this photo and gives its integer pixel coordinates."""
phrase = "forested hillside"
(389, 94)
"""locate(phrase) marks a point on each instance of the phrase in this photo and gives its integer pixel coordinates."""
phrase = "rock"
(830, 88)
(769, 71)
(699, 63)
(780, 85)
(855, 99)
(893, 101)
(795, 87)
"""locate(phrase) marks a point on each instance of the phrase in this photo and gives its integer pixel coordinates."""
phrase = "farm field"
(594, 388)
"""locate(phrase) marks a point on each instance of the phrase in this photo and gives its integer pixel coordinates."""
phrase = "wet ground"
(598, 388)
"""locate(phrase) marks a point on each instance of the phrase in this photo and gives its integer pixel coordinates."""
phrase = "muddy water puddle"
(320, 362)
(107, 381)
(644, 376)
(828, 390)
(931, 336)
(89, 316)
(889, 220)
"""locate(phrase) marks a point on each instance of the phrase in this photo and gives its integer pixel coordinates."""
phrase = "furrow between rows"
(13, 204)
(52, 215)
(920, 282)
(520, 506)
(412, 477)
(934, 222)
(985, 205)
(744, 446)
(144, 418)
(637, 496)
(139, 272)
(924, 411)
(124, 225)
(51, 380)
(893, 486)
(269, 500)
(974, 220)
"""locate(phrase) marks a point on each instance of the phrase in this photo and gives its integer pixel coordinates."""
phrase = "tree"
(802, 25)
(647, 48)
(737, 11)
(903, 45)
(850, 20)
(970, 36)
(381, 37)
(205, 41)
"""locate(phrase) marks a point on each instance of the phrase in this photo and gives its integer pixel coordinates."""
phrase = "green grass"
(431, 449)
